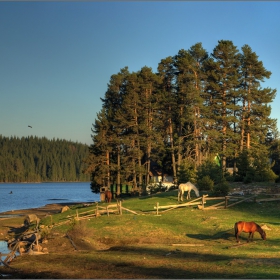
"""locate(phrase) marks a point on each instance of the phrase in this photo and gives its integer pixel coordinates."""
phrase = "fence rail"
(225, 203)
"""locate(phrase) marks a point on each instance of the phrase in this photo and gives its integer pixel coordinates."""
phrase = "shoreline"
(42, 211)
(12, 220)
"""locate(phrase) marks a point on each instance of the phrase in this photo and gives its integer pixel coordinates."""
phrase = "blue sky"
(56, 58)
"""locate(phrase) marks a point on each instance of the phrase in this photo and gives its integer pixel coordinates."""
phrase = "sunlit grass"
(181, 243)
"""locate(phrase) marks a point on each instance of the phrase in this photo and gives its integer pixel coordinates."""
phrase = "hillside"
(33, 159)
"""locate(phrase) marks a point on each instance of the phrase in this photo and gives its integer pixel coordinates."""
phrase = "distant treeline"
(33, 159)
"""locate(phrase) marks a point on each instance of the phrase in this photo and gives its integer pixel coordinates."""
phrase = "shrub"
(255, 167)
(211, 169)
(187, 173)
(77, 229)
(221, 189)
(266, 176)
(243, 164)
(205, 183)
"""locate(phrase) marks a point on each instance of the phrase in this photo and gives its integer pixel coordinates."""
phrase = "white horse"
(186, 187)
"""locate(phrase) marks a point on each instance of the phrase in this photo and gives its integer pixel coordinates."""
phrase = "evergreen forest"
(197, 116)
(33, 159)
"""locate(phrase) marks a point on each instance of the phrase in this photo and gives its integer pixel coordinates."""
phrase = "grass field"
(182, 243)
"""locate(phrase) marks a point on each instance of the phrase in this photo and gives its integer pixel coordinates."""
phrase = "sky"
(56, 58)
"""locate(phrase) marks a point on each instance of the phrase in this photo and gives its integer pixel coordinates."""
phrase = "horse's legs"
(250, 236)
(237, 237)
(179, 195)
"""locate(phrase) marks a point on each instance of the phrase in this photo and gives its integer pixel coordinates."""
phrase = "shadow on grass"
(225, 235)
(16, 230)
(124, 262)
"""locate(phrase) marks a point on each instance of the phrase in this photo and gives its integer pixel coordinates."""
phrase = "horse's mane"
(260, 230)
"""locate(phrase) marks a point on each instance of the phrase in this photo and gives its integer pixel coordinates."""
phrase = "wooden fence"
(100, 210)
(225, 202)
(111, 208)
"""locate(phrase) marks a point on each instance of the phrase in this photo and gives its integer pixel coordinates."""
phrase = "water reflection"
(4, 250)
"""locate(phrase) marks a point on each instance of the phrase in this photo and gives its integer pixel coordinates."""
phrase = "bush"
(256, 167)
(205, 183)
(221, 189)
(186, 173)
(77, 229)
(210, 169)
(266, 176)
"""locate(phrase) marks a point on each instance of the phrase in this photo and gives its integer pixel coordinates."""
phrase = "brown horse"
(249, 227)
(108, 196)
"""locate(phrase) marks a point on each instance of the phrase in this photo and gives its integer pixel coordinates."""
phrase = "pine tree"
(223, 80)
(168, 107)
(254, 117)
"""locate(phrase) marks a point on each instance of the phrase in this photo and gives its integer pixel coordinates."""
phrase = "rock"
(265, 227)
(64, 209)
(21, 250)
(30, 219)
(31, 252)
(37, 248)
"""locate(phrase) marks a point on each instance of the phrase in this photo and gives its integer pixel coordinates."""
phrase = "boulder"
(64, 209)
(29, 219)
(37, 248)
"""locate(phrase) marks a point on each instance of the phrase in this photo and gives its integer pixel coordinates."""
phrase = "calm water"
(32, 195)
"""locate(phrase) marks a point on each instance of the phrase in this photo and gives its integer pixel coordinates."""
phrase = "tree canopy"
(197, 105)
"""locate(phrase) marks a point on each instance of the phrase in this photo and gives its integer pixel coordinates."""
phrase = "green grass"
(142, 246)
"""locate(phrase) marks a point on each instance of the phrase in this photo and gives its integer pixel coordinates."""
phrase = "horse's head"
(263, 235)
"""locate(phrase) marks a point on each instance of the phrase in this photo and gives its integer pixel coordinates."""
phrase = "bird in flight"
(30, 126)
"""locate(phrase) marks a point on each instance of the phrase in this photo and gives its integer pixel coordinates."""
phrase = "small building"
(156, 175)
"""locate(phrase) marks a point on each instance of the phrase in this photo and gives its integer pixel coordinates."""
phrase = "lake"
(33, 195)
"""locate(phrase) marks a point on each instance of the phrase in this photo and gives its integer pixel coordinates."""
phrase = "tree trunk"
(108, 169)
(119, 173)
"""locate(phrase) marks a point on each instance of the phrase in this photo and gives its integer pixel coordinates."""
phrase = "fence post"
(226, 201)
(96, 210)
(37, 244)
(157, 208)
(203, 201)
(120, 205)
